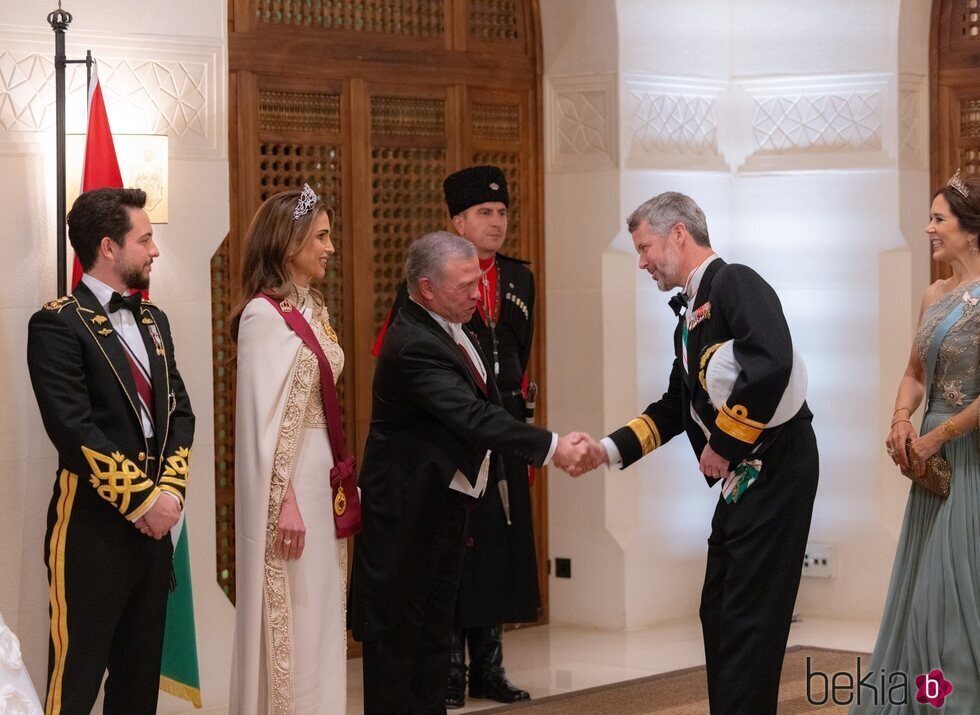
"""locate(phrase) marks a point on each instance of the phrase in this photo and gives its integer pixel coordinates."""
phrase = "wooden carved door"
(373, 103)
(955, 93)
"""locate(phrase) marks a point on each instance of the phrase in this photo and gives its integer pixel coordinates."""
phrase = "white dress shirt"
(126, 327)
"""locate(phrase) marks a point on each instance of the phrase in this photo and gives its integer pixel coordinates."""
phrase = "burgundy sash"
(343, 480)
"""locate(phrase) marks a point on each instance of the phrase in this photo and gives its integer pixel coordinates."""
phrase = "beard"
(135, 278)
(668, 271)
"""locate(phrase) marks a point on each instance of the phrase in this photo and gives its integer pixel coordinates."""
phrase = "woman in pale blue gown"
(932, 614)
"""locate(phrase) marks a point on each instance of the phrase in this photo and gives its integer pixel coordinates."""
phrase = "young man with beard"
(113, 403)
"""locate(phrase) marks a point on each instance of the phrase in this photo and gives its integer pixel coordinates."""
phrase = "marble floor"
(548, 660)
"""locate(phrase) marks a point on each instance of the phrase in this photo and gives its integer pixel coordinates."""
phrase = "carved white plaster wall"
(815, 123)
(912, 121)
(672, 123)
(158, 88)
(580, 121)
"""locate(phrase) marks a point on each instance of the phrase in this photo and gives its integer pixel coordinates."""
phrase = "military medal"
(340, 502)
(157, 340)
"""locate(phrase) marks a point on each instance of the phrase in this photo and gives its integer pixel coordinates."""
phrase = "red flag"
(100, 168)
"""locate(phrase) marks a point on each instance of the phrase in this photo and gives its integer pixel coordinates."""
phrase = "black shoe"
(456, 688)
(492, 684)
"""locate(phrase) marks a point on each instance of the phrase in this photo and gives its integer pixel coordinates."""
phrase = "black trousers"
(405, 671)
(108, 605)
(755, 555)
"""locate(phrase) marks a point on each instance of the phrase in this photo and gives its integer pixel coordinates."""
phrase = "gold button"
(142, 456)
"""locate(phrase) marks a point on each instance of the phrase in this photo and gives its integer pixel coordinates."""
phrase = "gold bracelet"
(899, 409)
(949, 430)
(902, 420)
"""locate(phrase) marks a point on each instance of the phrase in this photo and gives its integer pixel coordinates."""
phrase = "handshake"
(577, 453)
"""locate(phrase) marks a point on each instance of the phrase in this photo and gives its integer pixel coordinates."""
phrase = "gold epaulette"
(59, 303)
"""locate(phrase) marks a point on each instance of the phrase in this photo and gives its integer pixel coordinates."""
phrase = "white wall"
(801, 129)
(163, 70)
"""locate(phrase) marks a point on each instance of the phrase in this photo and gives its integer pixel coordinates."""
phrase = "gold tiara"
(957, 183)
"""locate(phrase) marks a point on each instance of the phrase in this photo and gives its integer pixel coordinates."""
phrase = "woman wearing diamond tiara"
(290, 632)
(932, 614)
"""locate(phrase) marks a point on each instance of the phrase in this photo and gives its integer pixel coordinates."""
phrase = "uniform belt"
(513, 393)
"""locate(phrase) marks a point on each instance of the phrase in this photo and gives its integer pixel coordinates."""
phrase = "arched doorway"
(373, 103)
(955, 92)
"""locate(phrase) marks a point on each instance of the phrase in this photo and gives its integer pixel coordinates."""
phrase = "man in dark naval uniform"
(500, 582)
(113, 403)
(768, 464)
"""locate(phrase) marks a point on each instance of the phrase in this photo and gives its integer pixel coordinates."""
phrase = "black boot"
(487, 677)
(456, 685)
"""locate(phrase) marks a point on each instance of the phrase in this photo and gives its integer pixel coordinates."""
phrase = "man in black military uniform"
(499, 583)
(769, 470)
(113, 403)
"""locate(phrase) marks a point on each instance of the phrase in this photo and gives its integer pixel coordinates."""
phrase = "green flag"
(178, 672)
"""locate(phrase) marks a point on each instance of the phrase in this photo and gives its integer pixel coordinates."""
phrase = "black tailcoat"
(108, 581)
(500, 577)
(429, 419)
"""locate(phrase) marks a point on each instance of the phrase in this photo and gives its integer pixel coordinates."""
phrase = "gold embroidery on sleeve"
(175, 471)
(116, 478)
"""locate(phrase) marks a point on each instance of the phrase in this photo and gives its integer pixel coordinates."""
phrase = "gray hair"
(668, 209)
(428, 256)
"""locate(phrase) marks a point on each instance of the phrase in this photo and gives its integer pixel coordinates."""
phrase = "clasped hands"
(578, 453)
(161, 517)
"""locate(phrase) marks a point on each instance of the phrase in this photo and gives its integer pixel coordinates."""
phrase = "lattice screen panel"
(420, 18)
(494, 20)
(299, 111)
(970, 162)
(509, 162)
(224, 418)
(406, 192)
(496, 122)
(966, 20)
(970, 118)
(408, 117)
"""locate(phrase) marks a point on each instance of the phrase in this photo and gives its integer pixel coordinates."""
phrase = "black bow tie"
(677, 302)
(131, 302)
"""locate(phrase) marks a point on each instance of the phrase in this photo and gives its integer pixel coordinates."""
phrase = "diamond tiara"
(957, 183)
(307, 200)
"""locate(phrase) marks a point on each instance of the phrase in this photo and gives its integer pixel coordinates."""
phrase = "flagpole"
(60, 20)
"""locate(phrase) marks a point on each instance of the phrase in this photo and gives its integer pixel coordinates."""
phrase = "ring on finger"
(891, 452)
(287, 541)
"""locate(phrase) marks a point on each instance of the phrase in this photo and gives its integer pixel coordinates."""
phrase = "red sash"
(343, 480)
